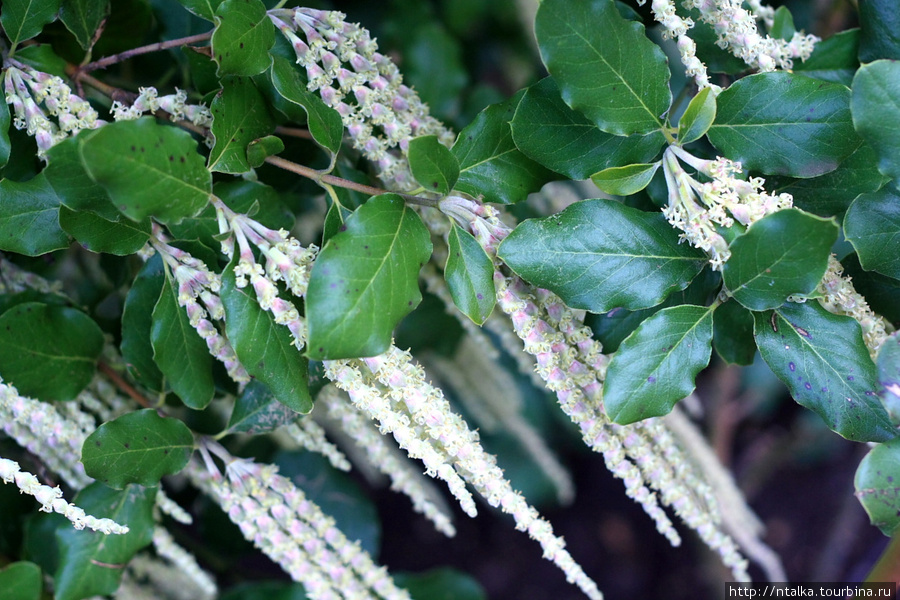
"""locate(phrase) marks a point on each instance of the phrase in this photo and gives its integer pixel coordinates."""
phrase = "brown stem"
(294, 132)
(79, 76)
(116, 58)
(123, 385)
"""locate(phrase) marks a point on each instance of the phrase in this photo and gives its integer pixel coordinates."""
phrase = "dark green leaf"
(605, 65)
(239, 117)
(149, 170)
(470, 276)
(70, 181)
(365, 280)
(205, 9)
(733, 333)
(121, 237)
(697, 117)
(833, 59)
(49, 352)
(433, 166)
(24, 19)
(889, 376)
(266, 590)
(783, 24)
(822, 359)
(780, 123)
(243, 36)
(880, 291)
(598, 255)
(782, 254)
(29, 217)
(880, 30)
(179, 351)
(489, 162)
(441, 584)
(876, 111)
(90, 561)
(257, 410)
(546, 130)
(138, 447)
(137, 322)
(21, 581)
(82, 18)
(624, 181)
(877, 484)
(43, 58)
(872, 225)
(656, 365)
(5, 145)
(324, 122)
(428, 50)
(259, 150)
(264, 348)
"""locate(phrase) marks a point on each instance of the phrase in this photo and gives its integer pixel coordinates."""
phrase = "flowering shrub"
(201, 283)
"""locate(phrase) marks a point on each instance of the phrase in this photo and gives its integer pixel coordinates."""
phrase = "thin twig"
(294, 132)
(121, 56)
(123, 385)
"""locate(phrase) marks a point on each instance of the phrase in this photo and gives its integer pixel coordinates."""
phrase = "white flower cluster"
(148, 577)
(52, 501)
(697, 208)
(380, 113)
(677, 28)
(310, 436)
(201, 585)
(26, 89)
(14, 279)
(149, 100)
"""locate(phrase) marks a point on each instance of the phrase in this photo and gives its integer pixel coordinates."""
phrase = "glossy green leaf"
(877, 484)
(70, 181)
(608, 256)
(242, 39)
(24, 19)
(324, 122)
(624, 181)
(489, 162)
(261, 149)
(823, 361)
(239, 117)
(49, 352)
(366, 279)
(872, 225)
(121, 237)
(205, 9)
(833, 59)
(138, 447)
(783, 24)
(605, 66)
(137, 322)
(29, 217)
(782, 254)
(546, 130)
(655, 366)
(433, 166)
(733, 333)
(876, 111)
(698, 117)
(781, 123)
(257, 410)
(5, 145)
(179, 351)
(441, 584)
(21, 581)
(82, 18)
(43, 58)
(265, 590)
(470, 276)
(888, 363)
(89, 560)
(149, 170)
(264, 348)
(879, 30)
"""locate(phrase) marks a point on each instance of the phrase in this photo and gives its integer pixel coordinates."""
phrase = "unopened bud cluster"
(149, 101)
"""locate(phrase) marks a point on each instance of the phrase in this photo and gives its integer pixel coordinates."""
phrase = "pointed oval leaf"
(257, 410)
(324, 122)
(433, 166)
(780, 123)
(877, 484)
(179, 351)
(242, 39)
(264, 347)
(624, 181)
(29, 217)
(546, 130)
(137, 322)
(876, 111)
(872, 225)
(366, 279)
(96, 234)
(697, 117)
(138, 447)
(82, 18)
(24, 19)
(260, 149)
(470, 276)
(822, 359)
(88, 561)
(239, 117)
(21, 581)
(47, 351)
(604, 64)
(69, 179)
(782, 254)
(490, 165)
(148, 170)
(880, 30)
(733, 333)
(598, 255)
(656, 365)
